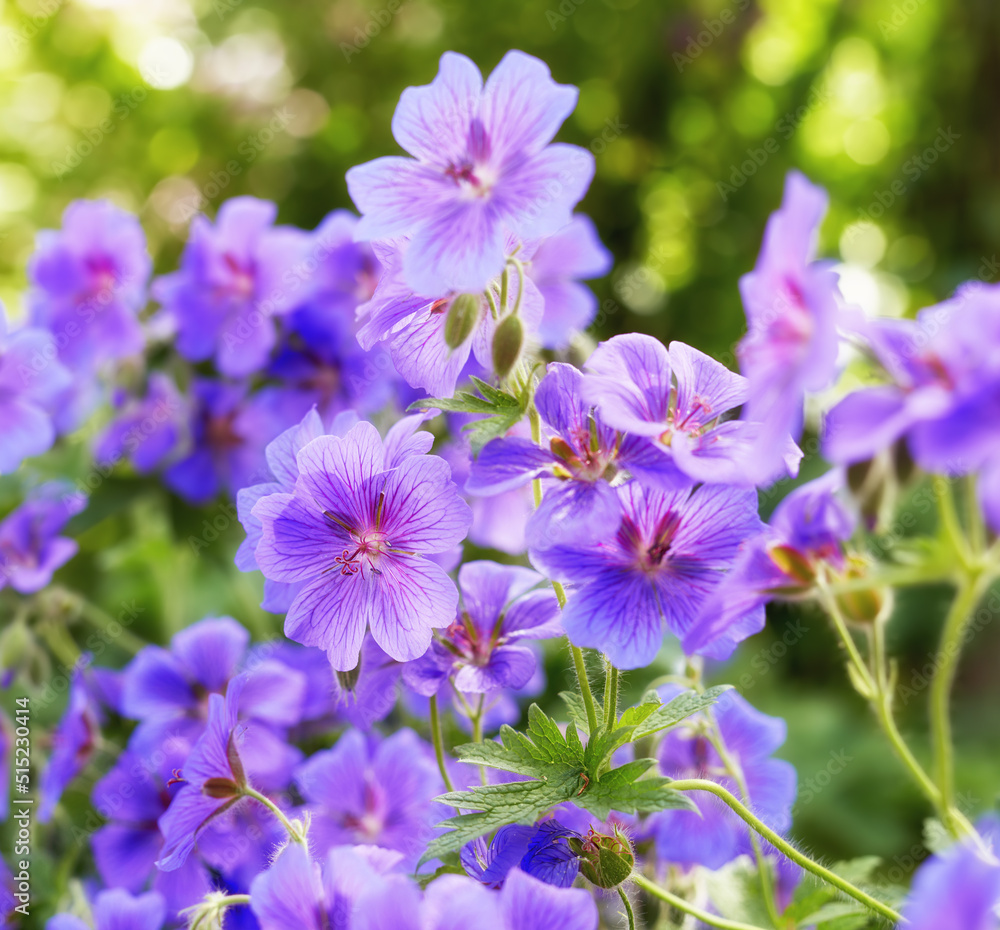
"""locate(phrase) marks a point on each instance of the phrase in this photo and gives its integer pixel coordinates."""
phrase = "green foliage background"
(694, 110)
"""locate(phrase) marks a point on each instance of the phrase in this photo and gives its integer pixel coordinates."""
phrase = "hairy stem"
(776, 840)
(628, 907)
(713, 920)
(610, 697)
(294, 833)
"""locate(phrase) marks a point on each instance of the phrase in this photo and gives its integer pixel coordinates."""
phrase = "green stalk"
(713, 920)
(611, 697)
(294, 833)
(776, 840)
(628, 907)
(438, 741)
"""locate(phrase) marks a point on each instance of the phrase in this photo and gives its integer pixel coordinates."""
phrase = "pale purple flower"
(31, 548)
(572, 253)
(89, 283)
(32, 385)
(713, 835)
(373, 790)
(358, 529)
(655, 566)
(580, 458)
(483, 650)
(235, 277)
(958, 888)
(146, 429)
(808, 529)
(413, 324)
(682, 400)
(118, 910)
(791, 304)
(483, 170)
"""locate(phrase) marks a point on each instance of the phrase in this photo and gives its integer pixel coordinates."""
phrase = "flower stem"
(438, 741)
(628, 907)
(673, 900)
(295, 834)
(702, 784)
(610, 697)
(585, 692)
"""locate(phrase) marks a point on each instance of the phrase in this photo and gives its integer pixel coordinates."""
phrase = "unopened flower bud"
(507, 341)
(794, 564)
(461, 319)
(348, 681)
(607, 861)
(864, 605)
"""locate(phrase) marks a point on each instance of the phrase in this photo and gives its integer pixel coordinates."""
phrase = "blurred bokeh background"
(694, 111)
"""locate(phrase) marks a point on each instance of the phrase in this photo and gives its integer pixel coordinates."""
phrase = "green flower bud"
(507, 341)
(607, 861)
(461, 320)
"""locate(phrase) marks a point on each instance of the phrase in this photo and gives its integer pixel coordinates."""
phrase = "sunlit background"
(694, 112)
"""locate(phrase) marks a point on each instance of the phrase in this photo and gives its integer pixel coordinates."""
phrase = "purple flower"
(32, 384)
(481, 650)
(373, 791)
(791, 308)
(146, 429)
(133, 796)
(571, 253)
(540, 850)
(483, 170)
(431, 334)
(655, 566)
(89, 282)
(235, 277)
(583, 456)
(228, 433)
(368, 693)
(959, 887)
(714, 835)
(74, 742)
(357, 529)
(679, 398)
(808, 528)
(118, 910)
(31, 548)
(297, 891)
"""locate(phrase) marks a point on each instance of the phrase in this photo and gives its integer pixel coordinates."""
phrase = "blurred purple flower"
(31, 548)
(32, 385)
(235, 277)
(656, 565)
(481, 651)
(791, 305)
(572, 253)
(146, 429)
(358, 528)
(483, 170)
(89, 282)
(679, 398)
(117, 910)
(714, 835)
(582, 458)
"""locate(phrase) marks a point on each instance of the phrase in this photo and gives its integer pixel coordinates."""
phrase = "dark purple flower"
(375, 791)
(582, 456)
(714, 835)
(32, 384)
(540, 850)
(31, 548)
(808, 528)
(74, 742)
(146, 429)
(297, 891)
(483, 170)
(118, 910)
(791, 304)
(656, 565)
(680, 399)
(482, 650)
(228, 432)
(959, 887)
(559, 261)
(235, 278)
(89, 283)
(357, 529)
(432, 334)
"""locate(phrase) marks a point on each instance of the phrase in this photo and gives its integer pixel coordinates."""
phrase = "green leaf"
(633, 716)
(680, 708)
(600, 748)
(578, 712)
(624, 789)
(502, 411)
